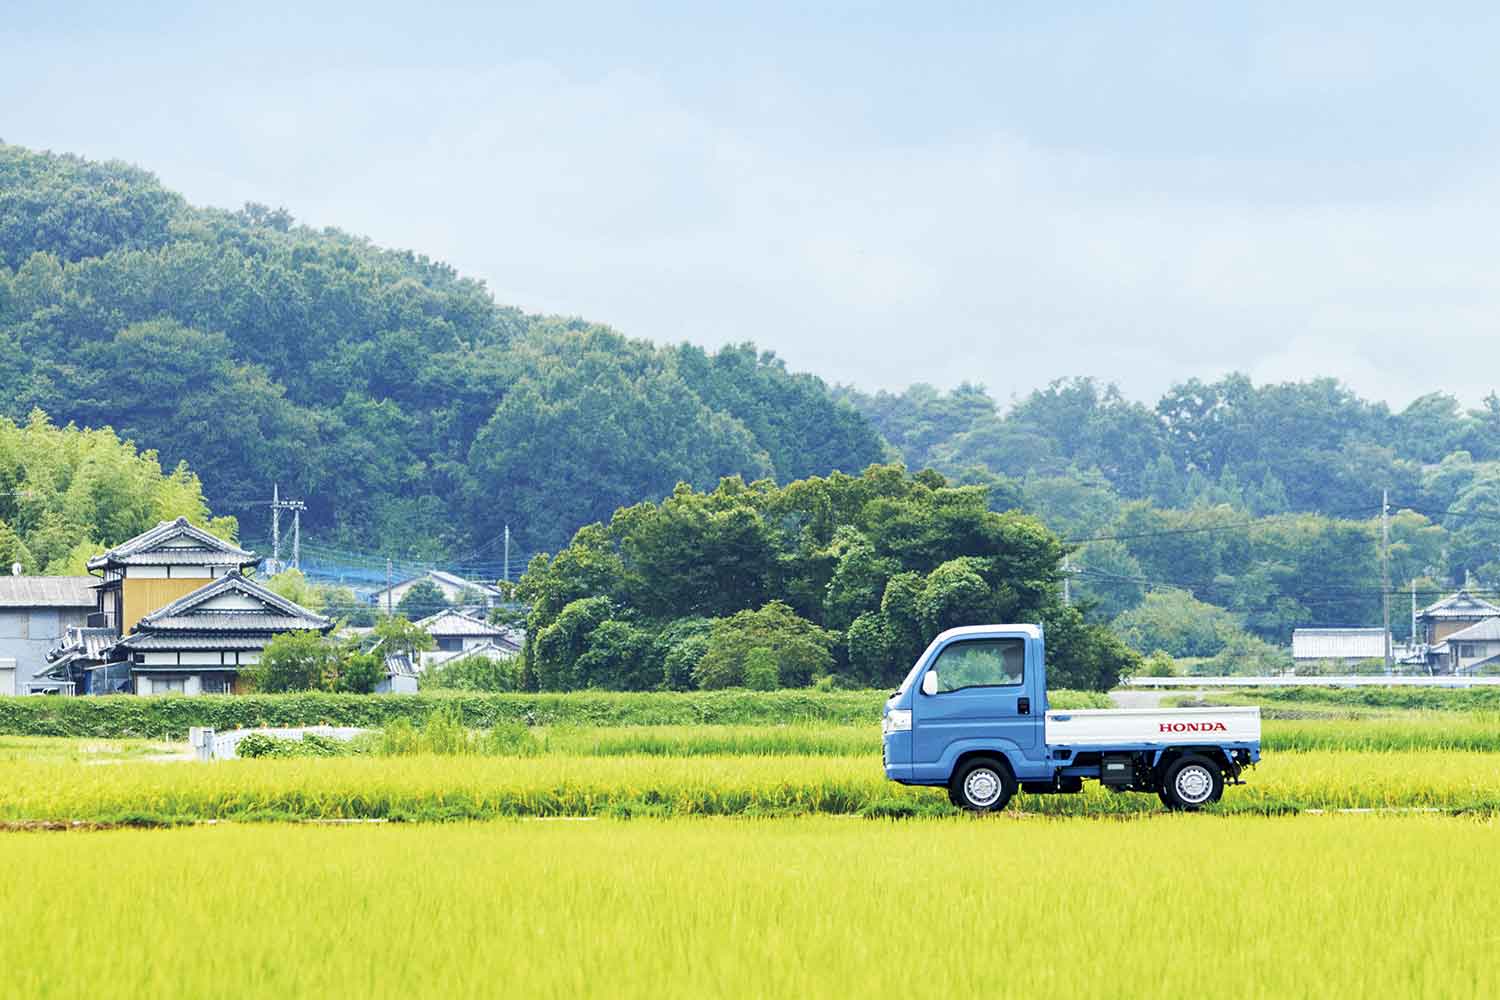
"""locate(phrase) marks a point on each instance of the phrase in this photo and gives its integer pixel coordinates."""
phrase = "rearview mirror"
(930, 682)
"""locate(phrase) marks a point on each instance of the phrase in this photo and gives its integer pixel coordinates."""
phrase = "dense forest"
(413, 414)
(1262, 500)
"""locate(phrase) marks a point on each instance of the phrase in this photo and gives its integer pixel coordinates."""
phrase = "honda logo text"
(1193, 727)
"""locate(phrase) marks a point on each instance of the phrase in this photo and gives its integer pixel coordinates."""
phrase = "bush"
(801, 648)
(761, 672)
(475, 673)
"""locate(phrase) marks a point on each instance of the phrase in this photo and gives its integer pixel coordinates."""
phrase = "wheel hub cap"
(1194, 784)
(982, 787)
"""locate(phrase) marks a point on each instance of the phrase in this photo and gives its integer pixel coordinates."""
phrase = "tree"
(360, 673)
(556, 649)
(294, 661)
(1175, 622)
(475, 673)
(871, 646)
(400, 636)
(422, 599)
(800, 648)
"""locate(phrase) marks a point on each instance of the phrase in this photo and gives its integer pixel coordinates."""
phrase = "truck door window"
(981, 663)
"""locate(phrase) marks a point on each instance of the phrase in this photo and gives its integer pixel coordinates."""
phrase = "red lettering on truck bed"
(1193, 727)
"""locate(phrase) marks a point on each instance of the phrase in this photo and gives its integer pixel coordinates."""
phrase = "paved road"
(1141, 698)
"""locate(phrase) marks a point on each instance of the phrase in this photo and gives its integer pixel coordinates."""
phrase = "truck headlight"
(896, 721)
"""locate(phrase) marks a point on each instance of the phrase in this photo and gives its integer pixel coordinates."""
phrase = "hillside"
(413, 414)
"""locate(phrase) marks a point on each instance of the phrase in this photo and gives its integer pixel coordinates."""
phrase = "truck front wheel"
(1191, 782)
(981, 785)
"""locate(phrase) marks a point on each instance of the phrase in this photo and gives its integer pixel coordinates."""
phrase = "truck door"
(981, 693)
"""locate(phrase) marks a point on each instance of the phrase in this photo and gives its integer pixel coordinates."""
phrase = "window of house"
(450, 643)
(168, 685)
(981, 663)
(215, 684)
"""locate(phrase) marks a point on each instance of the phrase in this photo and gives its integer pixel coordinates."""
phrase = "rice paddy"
(816, 907)
(748, 860)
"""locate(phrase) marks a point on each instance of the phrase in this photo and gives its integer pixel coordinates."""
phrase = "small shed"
(1338, 645)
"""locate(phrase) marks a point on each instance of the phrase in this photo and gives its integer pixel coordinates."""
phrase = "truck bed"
(1175, 726)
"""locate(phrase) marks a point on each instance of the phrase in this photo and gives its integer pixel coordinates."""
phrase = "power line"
(1205, 529)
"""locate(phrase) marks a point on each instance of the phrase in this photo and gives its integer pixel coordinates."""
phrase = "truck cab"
(972, 715)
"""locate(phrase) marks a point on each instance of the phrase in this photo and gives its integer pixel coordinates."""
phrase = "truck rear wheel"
(1191, 782)
(982, 785)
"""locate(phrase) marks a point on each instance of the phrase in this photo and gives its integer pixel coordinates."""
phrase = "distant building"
(1343, 646)
(173, 612)
(35, 612)
(456, 590)
(1474, 650)
(198, 643)
(1437, 622)
(455, 634)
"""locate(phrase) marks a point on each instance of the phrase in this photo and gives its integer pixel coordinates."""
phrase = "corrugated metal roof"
(80, 643)
(47, 592)
(1338, 643)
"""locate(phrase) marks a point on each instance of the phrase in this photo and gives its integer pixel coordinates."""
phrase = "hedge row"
(1457, 699)
(126, 716)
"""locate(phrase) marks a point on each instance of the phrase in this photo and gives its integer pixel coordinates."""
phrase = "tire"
(1191, 782)
(981, 785)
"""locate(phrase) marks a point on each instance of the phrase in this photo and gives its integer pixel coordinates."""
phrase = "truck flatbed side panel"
(1176, 727)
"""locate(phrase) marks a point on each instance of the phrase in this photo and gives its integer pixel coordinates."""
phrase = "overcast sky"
(1000, 192)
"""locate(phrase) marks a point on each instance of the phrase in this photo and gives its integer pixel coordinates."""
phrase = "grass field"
(426, 788)
(1169, 906)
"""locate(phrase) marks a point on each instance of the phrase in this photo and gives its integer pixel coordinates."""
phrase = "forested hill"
(1260, 499)
(412, 413)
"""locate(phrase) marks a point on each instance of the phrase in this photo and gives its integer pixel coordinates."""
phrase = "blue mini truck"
(972, 716)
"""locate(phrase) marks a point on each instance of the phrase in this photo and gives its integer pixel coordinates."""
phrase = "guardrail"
(1349, 680)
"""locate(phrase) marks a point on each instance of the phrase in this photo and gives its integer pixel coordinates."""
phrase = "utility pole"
(277, 506)
(1413, 640)
(275, 528)
(387, 587)
(507, 553)
(1385, 573)
(1067, 577)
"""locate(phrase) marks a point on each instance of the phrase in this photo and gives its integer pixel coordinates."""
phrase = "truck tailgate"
(1118, 727)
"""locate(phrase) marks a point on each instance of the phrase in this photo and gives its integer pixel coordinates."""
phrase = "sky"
(1004, 193)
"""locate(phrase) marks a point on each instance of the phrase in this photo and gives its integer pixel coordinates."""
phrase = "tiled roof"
(399, 665)
(80, 643)
(457, 623)
(232, 621)
(47, 592)
(488, 650)
(184, 614)
(1338, 643)
(1460, 605)
(147, 640)
(206, 550)
(1485, 631)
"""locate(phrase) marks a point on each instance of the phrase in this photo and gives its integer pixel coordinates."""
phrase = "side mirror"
(930, 682)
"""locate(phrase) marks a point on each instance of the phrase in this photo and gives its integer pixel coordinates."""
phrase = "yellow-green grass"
(450, 788)
(1170, 907)
(62, 748)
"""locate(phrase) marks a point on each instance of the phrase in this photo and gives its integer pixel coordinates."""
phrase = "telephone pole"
(387, 587)
(507, 553)
(1067, 579)
(1385, 573)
